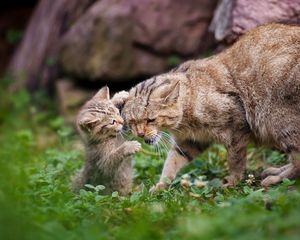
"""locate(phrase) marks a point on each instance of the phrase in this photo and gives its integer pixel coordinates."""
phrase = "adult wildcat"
(108, 155)
(249, 91)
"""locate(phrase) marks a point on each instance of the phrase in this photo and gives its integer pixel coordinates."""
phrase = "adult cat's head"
(99, 119)
(154, 105)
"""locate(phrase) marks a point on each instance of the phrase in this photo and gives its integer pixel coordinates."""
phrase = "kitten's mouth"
(153, 139)
(118, 131)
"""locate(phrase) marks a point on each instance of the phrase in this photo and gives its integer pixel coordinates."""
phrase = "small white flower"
(251, 179)
(185, 176)
(200, 183)
(185, 183)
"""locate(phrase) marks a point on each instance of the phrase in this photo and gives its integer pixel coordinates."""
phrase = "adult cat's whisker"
(168, 137)
(190, 130)
(171, 140)
(177, 130)
(158, 150)
(164, 144)
(166, 141)
(151, 133)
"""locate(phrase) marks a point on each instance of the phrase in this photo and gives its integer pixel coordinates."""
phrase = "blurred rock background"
(70, 48)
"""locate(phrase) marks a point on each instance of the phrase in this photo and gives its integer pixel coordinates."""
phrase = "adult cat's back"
(264, 67)
(263, 59)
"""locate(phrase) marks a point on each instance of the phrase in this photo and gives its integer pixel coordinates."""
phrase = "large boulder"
(124, 39)
(235, 17)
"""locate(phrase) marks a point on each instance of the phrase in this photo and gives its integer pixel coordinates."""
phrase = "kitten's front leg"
(130, 147)
(178, 157)
(114, 159)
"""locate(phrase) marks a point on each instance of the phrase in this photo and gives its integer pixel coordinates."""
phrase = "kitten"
(250, 91)
(108, 156)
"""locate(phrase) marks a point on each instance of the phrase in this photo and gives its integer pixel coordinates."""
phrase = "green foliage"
(38, 158)
(174, 60)
(13, 36)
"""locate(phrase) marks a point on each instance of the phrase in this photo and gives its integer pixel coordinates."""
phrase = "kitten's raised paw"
(158, 187)
(120, 98)
(132, 147)
(122, 95)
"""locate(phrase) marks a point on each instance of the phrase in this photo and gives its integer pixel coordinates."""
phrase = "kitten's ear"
(102, 94)
(86, 123)
(168, 93)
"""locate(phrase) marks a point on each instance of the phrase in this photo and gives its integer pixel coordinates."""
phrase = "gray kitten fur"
(108, 155)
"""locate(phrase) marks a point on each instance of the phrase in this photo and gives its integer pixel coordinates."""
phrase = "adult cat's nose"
(141, 134)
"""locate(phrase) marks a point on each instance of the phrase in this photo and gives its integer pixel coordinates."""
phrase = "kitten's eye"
(150, 120)
(113, 122)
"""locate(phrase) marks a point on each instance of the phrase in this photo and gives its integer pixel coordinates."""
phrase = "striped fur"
(248, 92)
(108, 155)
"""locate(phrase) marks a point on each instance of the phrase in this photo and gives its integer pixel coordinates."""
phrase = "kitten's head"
(99, 119)
(154, 105)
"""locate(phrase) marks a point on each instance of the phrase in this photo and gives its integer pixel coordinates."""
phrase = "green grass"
(39, 155)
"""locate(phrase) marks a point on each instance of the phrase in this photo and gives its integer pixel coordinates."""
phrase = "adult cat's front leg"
(178, 157)
(237, 153)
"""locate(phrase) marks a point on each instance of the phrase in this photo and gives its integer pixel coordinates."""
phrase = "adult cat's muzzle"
(152, 140)
(149, 141)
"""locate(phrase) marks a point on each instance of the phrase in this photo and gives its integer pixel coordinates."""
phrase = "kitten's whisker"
(127, 130)
(121, 134)
(125, 134)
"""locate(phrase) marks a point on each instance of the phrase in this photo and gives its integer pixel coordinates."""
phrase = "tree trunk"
(35, 62)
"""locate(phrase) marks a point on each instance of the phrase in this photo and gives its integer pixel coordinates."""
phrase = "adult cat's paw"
(273, 171)
(158, 187)
(271, 180)
(132, 147)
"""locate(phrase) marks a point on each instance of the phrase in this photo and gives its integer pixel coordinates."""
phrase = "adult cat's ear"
(102, 94)
(168, 93)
